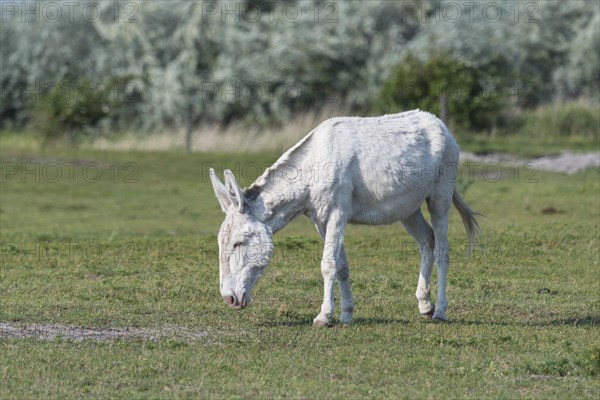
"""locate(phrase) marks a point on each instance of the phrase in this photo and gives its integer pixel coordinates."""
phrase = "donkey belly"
(385, 191)
(368, 209)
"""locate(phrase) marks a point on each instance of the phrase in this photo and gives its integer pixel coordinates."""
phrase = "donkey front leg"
(328, 306)
(332, 266)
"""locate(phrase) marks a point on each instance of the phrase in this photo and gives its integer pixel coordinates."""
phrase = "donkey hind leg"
(419, 229)
(439, 209)
(342, 275)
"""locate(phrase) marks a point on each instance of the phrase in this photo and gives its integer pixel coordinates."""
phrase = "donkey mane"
(255, 189)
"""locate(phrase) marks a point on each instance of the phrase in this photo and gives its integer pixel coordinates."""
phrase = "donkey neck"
(281, 192)
(278, 196)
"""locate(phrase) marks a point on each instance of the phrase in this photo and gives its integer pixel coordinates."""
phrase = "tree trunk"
(188, 137)
(189, 128)
(444, 108)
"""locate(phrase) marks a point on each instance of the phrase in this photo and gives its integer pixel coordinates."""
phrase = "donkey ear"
(236, 196)
(220, 191)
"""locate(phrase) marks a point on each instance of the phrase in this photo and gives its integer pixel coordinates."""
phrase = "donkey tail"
(468, 218)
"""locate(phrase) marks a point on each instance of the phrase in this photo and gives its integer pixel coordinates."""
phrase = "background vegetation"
(110, 66)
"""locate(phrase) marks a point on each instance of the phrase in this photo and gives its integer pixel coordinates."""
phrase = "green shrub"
(474, 97)
(73, 109)
(557, 120)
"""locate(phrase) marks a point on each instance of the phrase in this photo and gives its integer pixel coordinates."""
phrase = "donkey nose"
(244, 301)
(230, 300)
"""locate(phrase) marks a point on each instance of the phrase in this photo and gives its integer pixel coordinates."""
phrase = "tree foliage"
(191, 62)
(474, 99)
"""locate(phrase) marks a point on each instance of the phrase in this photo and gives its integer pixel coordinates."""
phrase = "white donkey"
(347, 170)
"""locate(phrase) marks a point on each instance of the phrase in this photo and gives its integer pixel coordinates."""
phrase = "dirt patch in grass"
(76, 333)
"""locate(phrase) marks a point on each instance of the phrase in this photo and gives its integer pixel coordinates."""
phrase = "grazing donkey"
(347, 170)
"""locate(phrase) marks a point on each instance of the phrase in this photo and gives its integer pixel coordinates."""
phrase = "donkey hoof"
(319, 323)
(346, 318)
(428, 315)
(439, 318)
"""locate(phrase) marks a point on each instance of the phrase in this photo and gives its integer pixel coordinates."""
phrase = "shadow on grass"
(287, 322)
(591, 321)
(587, 321)
(303, 321)
(380, 321)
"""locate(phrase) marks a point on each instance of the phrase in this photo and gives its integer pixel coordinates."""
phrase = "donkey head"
(245, 243)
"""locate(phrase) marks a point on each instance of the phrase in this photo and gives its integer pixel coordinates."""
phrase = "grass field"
(128, 240)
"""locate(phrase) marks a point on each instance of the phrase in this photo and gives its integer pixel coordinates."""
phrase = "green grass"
(523, 314)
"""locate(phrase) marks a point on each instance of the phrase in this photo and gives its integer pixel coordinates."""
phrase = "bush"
(72, 109)
(473, 101)
(557, 120)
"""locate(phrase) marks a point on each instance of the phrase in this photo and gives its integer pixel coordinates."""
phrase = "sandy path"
(566, 162)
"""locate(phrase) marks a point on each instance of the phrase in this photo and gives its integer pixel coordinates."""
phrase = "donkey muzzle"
(233, 301)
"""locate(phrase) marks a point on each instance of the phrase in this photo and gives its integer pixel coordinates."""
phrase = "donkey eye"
(237, 244)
